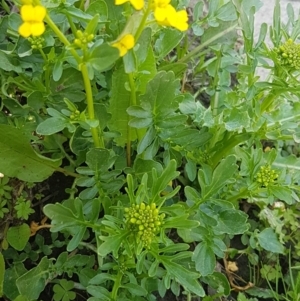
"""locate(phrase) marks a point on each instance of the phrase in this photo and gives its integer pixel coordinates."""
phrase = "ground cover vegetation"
(142, 158)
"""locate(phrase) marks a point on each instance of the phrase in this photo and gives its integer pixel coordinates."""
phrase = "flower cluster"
(164, 13)
(124, 44)
(145, 222)
(36, 42)
(289, 54)
(32, 17)
(266, 176)
(83, 38)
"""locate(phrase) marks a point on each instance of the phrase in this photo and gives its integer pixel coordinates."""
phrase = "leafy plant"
(175, 147)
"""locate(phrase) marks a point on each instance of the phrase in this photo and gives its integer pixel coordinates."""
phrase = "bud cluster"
(75, 115)
(289, 54)
(83, 38)
(36, 42)
(145, 221)
(266, 176)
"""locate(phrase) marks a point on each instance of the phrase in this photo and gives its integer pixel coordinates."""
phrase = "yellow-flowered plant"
(137, 4)
(289, 54)
(165, 14)
(124, 44)
(266, 176)
(32, 17)
(144, 221)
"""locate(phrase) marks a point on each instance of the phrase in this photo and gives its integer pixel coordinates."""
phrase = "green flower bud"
(79, 34)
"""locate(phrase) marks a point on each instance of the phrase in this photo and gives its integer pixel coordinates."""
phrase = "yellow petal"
(27, 13)
(137, 4)
(121, 47)
(127, 41)
(119, 2)
(180, 20)
(37, 28)
(39, 13)
(25, 30)
(160, 14)
(161, 3)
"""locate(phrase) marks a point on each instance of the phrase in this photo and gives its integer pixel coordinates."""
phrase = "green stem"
(47, 72)
(72, 25)
(89, 246)
(132, 103)
(267, 102)
(116, 286)
(81, 6)
(90, 106)
(68, 173)
(243, 193)
(63, 38)
(207, 43)
(215, 100)
(143, 23)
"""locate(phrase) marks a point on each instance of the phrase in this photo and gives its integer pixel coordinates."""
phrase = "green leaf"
(18, 236)
(76, 239)
(211, 33)
(204, 258)
(145, 166)
(18, 159)
(161, 182)
(111, 244)
(269, 241)
(282, 193)
(32, 283)
(98, 159)
(185, 277)
(237, 120)
(103, 57)
(98, 7)
(180, 222)
(61, 217)
(146, 70)
(226, 12)
(119, 102)
(7, 63)
(11, 275)
(223, 172)
(52, 125)
(167, 41)
(135, 290)
(232, 221)
(219, 282)
(99, 292)
(160, 94)
(2, 271)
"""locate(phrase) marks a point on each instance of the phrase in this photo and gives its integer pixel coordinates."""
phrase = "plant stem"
(267, 102)
(67, 173)
(143, 23)
(116, 286)
(62, 38)
(132, 103)
(205, 44)
(90, 106)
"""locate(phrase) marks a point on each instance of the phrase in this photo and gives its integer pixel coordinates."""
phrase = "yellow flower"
(179, 20)
(137, 4)
(126, 43)
(165, 14)
(32, 17)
